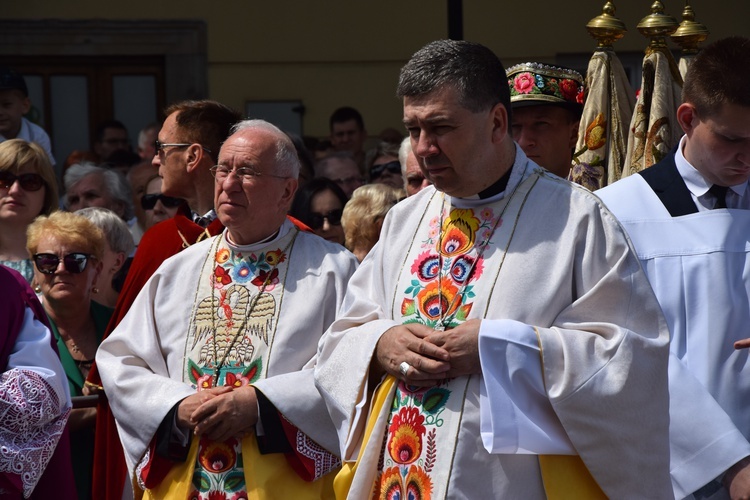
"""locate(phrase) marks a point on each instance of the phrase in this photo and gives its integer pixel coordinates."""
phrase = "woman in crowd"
(28, 188)
(156, 206)
(35, 461)
(363, 216)
(320, 204)
(117, 252)
(384, 167)
(67, 250)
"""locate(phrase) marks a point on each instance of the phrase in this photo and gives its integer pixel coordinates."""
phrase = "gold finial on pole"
(657, 26)
(606, 28)
(690, 34)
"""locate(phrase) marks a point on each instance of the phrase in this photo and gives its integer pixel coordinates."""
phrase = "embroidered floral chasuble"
(448, 258)
(230, 337)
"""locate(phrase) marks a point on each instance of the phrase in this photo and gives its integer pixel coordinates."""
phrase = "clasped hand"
(220, 412)
(432, 355)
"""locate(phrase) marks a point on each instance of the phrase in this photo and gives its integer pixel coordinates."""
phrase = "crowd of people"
(239, 312)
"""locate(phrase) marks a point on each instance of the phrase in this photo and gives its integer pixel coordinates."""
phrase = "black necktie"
(721, 195)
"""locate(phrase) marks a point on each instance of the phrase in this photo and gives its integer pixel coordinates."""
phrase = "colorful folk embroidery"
(439, 293)
(441, 285)
(219, 471)
(229, 340)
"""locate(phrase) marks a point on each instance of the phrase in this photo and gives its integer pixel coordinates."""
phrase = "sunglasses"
(74, 262)
(333, 217)
(148, 201)
(28, 182)
(393, 167)
(160, 147)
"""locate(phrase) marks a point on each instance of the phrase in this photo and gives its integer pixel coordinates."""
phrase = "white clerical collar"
(284, 229)
(694, 181)
(518, 172)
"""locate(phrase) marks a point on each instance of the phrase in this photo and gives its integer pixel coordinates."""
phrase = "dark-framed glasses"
(148, 201)
(159, 146)
(245, 174)
(74, 262)
(28, 182)
(333, 217)
(393, 167)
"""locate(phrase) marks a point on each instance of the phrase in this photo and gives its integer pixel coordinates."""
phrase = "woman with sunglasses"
(67, 251)
(156, 206)
(384, 167)
(319, 204)
(28, 188)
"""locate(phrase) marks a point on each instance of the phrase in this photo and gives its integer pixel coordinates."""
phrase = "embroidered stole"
(438, 283)
(229, 342)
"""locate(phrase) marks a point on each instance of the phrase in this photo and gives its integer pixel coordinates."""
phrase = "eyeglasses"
(28, 182)
(159, 146)
(393, 167)
(246, 174)
(74, 262)
(333, 217)
(148, 201)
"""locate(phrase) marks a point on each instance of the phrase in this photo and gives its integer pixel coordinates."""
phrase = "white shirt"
(698, 186)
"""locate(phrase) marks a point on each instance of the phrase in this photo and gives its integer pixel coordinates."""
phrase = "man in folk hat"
(547, 102)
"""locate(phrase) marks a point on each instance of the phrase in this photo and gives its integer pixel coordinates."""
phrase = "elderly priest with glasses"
(209, 375)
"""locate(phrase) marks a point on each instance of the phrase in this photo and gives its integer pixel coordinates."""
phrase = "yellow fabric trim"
(343, 481)
(267, 477)
(566, 477)
(176, 484)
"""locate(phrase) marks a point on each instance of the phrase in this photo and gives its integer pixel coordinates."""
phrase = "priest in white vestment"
(501, 340)
(228, 329)
(688, 217)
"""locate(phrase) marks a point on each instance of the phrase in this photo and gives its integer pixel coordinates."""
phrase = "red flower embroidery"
(569, 89)
(406, 431)
(235, 381)
(524, 83)
(221, 277)
(273, 278)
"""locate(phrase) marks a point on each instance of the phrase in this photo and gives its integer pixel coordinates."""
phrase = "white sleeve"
(33, 352)
(516, 416)
(703, 441)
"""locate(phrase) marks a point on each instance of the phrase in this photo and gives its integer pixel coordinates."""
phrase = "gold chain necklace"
(204, 235)
(239, 331)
